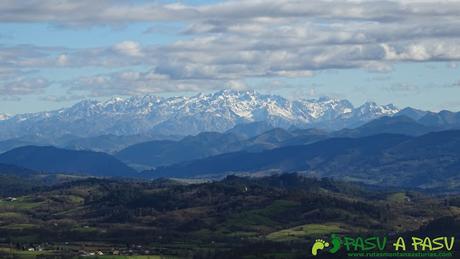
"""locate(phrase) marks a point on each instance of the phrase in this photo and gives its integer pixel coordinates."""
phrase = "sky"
(54, 53)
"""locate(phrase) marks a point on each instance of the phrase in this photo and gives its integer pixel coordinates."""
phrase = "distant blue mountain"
(249, 130)
(164, 152)
(378, 151)
(284, 159)
(427, 161)
(160, 153)
(399, 124)
(55, 160)
(443, 119)
(412, 113)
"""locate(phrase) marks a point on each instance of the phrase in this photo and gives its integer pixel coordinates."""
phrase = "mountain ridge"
(219, 111)
(383, 159)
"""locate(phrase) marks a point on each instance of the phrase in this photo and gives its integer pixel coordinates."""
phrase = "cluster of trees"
(166, 212)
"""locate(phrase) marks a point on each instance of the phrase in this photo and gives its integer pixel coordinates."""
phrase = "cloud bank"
(227, 42)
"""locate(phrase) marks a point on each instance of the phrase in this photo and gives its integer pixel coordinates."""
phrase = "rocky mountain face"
(219, 111)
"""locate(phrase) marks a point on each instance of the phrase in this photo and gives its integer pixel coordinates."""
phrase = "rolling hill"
(231, 218)
(55, 160)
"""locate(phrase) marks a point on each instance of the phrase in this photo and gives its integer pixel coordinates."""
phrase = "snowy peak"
(326, 108)
(218, 111)
(374, 110)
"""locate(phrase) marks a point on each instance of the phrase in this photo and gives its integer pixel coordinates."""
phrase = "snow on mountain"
(217, 111)
(326, 108)
(371, 110)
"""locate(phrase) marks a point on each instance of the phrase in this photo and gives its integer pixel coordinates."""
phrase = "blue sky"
(56, 53)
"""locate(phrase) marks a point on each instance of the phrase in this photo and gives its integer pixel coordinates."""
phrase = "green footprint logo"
(336, 244)
(318, 245)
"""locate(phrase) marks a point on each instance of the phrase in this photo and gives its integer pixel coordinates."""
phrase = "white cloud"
(415, 52)
(294, 73)
(88, 12)
(129, 48)
(136, 83)
(23, 86)
(230, 41)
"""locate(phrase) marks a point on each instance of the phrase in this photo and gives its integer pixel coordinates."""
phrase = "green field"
(307, 230)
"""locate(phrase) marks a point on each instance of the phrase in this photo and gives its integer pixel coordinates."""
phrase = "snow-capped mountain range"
(217, 111)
